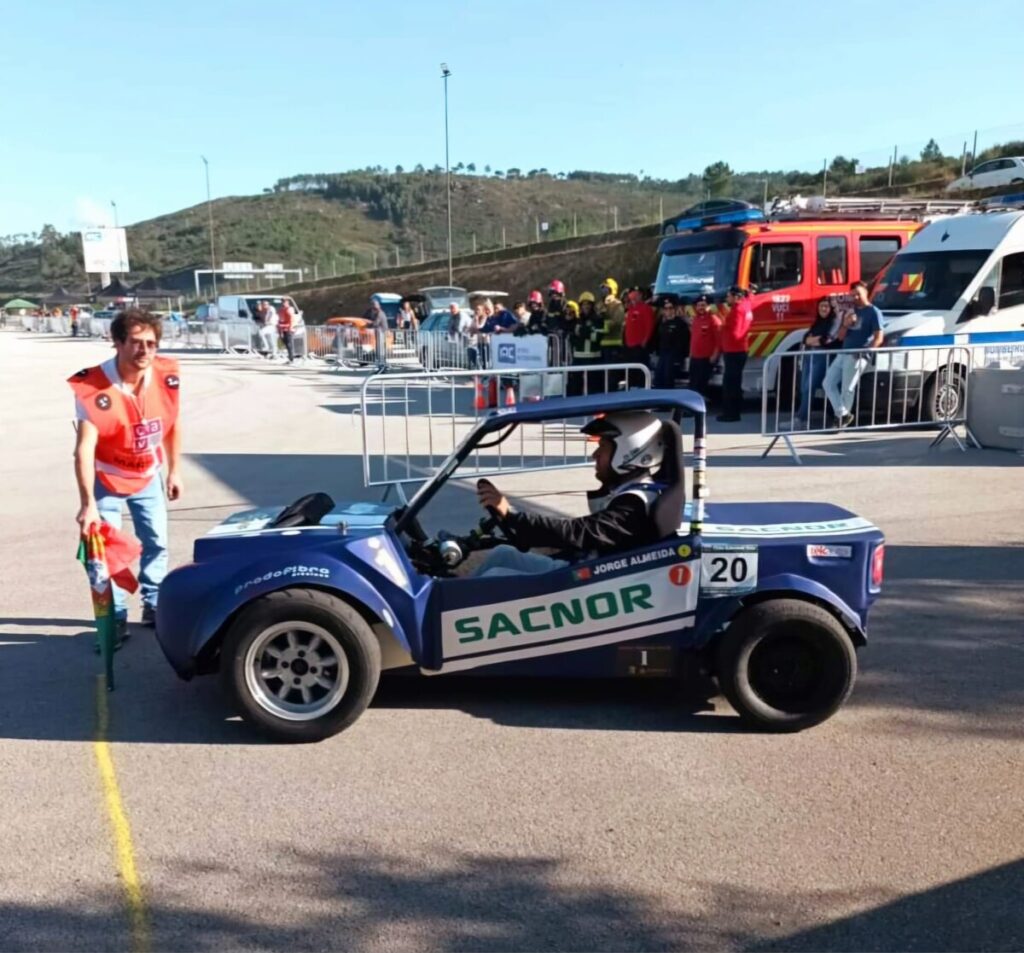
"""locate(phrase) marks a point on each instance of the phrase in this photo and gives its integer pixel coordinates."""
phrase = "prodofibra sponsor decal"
(314, 572)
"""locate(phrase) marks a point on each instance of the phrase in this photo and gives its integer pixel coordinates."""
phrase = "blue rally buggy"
(300, 608)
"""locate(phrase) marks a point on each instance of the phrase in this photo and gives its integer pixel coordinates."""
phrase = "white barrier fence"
(433, 412)
(865, 390)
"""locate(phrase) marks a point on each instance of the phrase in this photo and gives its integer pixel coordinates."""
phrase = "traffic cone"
(492, 392)
(480, 400)
(510, 396)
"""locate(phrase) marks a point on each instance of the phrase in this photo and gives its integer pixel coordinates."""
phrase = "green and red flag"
(107, 555)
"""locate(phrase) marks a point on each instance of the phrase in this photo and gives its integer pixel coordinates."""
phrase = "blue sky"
(118, 99)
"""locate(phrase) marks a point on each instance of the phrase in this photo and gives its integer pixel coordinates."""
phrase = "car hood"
(353, 519)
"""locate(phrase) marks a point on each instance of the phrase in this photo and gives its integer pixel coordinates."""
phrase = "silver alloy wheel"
(297, 671)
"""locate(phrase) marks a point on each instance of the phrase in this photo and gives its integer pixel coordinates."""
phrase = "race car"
(300, 608)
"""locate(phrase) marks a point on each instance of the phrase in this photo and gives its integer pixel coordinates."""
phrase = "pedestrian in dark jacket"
(672, 342)
(822, 336)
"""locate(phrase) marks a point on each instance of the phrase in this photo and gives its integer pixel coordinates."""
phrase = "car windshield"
(698, 272)
(927, 281)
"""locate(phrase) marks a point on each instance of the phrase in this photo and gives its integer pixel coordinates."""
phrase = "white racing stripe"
(843, 527)
(534, 651)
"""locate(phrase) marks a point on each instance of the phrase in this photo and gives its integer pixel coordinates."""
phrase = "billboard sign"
(105, 251)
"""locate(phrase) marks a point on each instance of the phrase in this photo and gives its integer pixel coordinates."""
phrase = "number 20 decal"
(723, 573)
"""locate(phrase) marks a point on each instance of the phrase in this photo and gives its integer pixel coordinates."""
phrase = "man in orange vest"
(127, 412)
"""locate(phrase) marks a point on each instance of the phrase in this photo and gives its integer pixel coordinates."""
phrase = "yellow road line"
(138, 919)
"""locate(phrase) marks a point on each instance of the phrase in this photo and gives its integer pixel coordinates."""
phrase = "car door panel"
(490, 620)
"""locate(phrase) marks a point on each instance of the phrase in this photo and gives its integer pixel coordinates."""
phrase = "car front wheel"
(300, 664)
(786, 664)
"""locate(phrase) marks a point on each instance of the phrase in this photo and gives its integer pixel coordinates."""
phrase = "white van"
(959, 282)
(243, 307)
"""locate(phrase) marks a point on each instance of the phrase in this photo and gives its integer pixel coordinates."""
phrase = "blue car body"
(630, 613)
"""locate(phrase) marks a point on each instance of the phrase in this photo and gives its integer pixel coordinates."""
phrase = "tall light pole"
(209, 209)
(113, 205)
(445, 73)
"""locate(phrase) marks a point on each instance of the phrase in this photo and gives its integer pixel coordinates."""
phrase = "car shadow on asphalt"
(356, 896)
(564, 703)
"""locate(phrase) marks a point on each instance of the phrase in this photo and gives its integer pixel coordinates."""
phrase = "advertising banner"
(105, 251)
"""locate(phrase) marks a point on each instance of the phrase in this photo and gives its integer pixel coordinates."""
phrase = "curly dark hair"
(135, 318)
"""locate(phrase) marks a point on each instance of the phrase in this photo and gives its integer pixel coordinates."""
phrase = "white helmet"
(637, 437)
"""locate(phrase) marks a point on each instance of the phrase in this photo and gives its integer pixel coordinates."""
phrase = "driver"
(630, 447)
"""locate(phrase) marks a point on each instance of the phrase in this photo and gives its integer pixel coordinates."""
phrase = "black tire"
(943, 399)
(786, 664)
(301, 626)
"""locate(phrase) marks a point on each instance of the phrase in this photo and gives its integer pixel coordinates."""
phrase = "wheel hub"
(296, 671)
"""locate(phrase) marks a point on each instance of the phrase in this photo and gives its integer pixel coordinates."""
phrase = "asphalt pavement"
(460, 814)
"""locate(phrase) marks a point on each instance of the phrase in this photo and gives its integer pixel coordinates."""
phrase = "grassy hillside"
(334, 224)
(377, 220)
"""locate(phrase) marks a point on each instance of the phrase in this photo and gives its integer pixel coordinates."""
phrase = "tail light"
(877, 568)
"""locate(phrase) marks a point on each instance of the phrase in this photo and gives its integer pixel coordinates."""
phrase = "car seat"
(307, 510)
(667, 511)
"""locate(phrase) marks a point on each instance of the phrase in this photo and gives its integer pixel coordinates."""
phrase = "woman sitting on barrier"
(822, 336)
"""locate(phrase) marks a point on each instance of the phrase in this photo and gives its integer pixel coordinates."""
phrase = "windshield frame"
(906, 262)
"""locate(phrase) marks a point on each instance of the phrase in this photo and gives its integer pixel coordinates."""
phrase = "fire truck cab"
(788, 262)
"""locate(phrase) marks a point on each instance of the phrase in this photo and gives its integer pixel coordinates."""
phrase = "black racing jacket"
(622, 521)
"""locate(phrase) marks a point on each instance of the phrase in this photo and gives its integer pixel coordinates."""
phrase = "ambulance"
(959, 283)
(804, 250)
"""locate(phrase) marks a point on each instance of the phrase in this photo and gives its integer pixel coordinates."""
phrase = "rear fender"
(781, 586)
(258, 579)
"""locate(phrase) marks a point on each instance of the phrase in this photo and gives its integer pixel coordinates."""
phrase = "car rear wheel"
(300, 665)
(786, 665)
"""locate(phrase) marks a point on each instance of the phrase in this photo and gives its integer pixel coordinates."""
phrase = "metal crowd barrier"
(890, 388)
(413, 421)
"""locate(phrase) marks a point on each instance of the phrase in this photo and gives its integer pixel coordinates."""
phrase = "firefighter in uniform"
(613, 317)
(127, 413)
(630, 447)
(584, 338)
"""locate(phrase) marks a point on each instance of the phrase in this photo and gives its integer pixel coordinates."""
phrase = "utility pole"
(113, 205)
(374, 261)
(423, 254)
(209, 209)
(974, 150)
(536, 226)
(474, 243)
(963, 159)
(765, 203)
(575, 233)
(445, 73)
(661, 208)
(615, 217)
(503, 244)
(398, 257)
(824, 177)
(316, 271)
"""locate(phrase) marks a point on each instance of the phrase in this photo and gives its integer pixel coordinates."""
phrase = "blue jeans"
(148, 508)
(811, 378)
(508, 561)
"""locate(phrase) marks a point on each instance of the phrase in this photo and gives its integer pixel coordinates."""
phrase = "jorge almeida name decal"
(613, 609)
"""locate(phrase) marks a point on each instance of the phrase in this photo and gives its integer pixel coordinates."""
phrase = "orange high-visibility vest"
(129, 449)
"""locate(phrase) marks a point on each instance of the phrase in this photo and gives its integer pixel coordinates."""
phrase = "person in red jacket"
(738, 317)
(286, 328)
(638, 331)
(705, 345)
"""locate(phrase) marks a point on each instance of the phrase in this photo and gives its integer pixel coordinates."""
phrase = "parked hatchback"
(991, 174)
